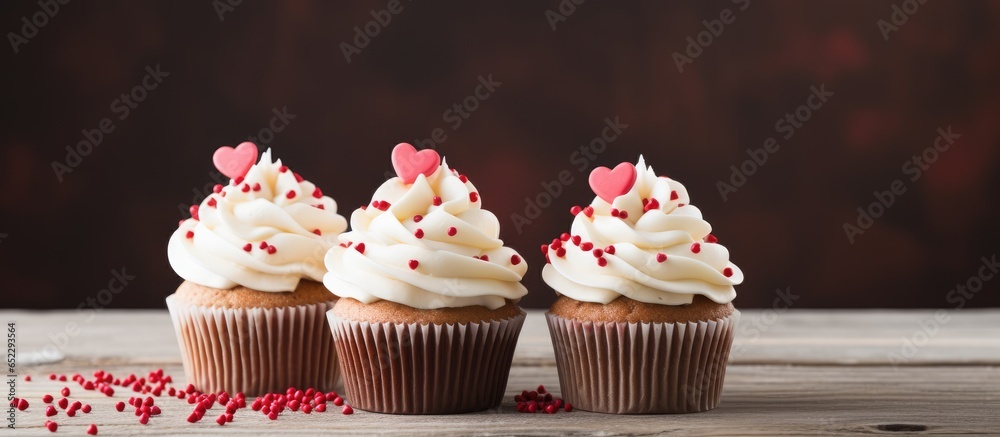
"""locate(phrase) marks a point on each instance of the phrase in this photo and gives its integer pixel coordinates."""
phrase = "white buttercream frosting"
(662, 255)
(286, 221)
(426, 245)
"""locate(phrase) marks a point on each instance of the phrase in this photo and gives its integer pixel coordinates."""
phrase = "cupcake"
(644, 320)
(427, 318)
(250, 314)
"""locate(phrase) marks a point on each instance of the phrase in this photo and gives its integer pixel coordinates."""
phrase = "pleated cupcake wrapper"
(425, 369)
(642, 368)
(256, 350)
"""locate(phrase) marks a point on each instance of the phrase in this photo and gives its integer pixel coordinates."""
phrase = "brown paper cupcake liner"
(425, 369)
(642, 368)
(255, 350)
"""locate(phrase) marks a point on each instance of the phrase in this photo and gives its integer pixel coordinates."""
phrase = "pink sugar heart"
(409, 163)
(609, 184)
(235, 162)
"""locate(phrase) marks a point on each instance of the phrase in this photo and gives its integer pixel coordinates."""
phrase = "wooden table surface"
(794, 372)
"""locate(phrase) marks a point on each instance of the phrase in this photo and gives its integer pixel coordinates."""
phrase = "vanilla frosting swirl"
(426, 245)
(693, 264)
(286, 223)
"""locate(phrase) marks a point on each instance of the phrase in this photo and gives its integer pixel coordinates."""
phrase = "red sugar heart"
(236, 162)
(409, 163)
(609, 184)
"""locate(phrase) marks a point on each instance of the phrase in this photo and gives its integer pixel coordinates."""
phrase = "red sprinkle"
(673, 195)
(711, 239)
(271, 250)
(64, 391)
(473, 197)
(598, 253)
(602, 262)
(144, 418)
(727, 272)
(248, 247)
(417, 218)
(588, 211)
(545, 249)
(52, 376)
(245, 188)
(221, 420)
(696, 247)
(290, 194)
(217, 188)
(610, 250)
(561, 252)
(317, 193)
(614, 212)
(50, 411)
(283, 168)
(360, 247)
(568, 407)
(452, 231)
(22, 404)
(564, 236)
(437, 200)
(413, 264)
(348, 410)
(550, 409)
(338, 401)
(623, 214)
(576, 240)
(238, 180)
(263, 245)
(419, 233)
(92, 429)
(194, 214)
(586, 246)
(86, 408)
(51, 426)
(212, 202)
(540, 389)
(47, 399)
(190, 234)
(298, 177)
(515, 260)
(661, 257)
(321, 408)
(318, 232)
(575, 210)
(120, 406)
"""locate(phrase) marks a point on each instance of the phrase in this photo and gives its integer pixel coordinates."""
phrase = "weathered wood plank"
(758, 400)
(763, 337)
(807, 372)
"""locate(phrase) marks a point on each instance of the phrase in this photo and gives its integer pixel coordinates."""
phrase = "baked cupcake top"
(267, 230)
(425, 242)
(639, 238)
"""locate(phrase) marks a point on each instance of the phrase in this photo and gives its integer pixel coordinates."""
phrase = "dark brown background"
(784, 227)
